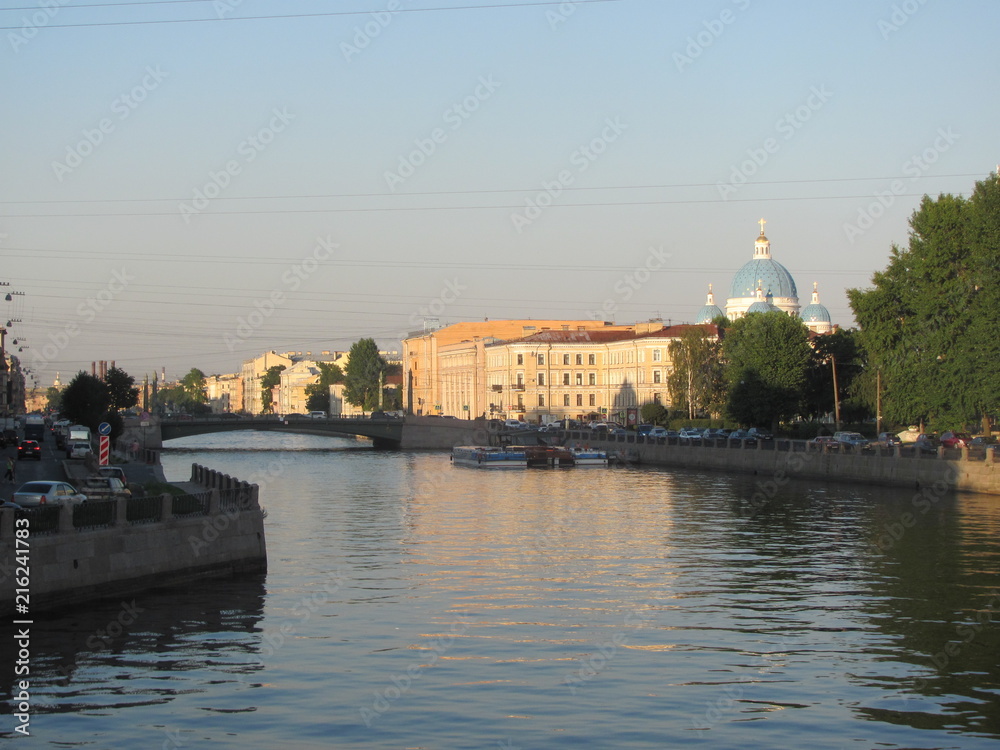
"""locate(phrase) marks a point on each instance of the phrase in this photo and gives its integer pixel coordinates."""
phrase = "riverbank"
(119, 547)
(781, 460)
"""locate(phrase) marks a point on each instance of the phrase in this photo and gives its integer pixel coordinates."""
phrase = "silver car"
(44, 492)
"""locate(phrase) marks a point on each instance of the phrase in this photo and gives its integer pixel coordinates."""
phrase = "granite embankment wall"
(110, 548)
(797, 459)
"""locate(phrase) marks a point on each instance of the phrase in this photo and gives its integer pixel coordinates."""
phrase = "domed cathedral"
(769, 275)
(763, 285)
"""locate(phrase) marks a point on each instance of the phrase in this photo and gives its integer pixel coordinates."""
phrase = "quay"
(122, 546)
(783, 459)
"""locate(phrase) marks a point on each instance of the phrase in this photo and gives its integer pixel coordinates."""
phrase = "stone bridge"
(386, 433)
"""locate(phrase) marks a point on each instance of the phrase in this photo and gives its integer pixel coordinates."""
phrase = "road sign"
(104, 450)
(104, 428)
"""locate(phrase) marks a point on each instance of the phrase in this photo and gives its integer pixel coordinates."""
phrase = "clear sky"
(297, 175)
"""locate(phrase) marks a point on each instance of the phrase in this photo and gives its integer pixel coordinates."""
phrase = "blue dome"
(760, 306)
(773, 278)
(815, 313)
(709, 313)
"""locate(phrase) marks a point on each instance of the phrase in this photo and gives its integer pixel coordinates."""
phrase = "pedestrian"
(9, 474)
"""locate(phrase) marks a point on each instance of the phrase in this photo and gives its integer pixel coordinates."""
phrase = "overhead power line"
(218, 19)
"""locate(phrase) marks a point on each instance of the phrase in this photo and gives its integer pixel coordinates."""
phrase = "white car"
(658, 432)
(46, 492)
(316, 415)
(79, 450)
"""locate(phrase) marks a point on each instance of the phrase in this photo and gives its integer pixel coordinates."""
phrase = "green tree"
(697, 381)
(766, 359)
(363, 375)
(53, 398)
(122, 393)
(839, 350)
(654, 413)
(194, 386)
(924, 322)
(270, 379)
(318, 393)
(85, 400)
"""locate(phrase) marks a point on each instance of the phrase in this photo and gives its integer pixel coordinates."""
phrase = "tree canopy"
(363, 375)
(194, 385)
(766, 358)
(122, 393)
(925, 321)
(697, 381)
(270, 379)
(85, 400)
(318, 393)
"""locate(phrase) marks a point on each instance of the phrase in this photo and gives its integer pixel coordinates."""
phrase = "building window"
(656, 376)
(520, 359)
(565, 399)
(541, 399)
(591, 359)
(579, 378)
(541, 378)
(656, 355)
(565, 378)
(656, 398)
(579, 359)
(579, 399)
(565, 359)
(520, 380)
(541, 360)
(593, 378)
(593, 399)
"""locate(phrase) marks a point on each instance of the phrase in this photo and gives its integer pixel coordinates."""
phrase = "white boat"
(484, 457)
(589, 457)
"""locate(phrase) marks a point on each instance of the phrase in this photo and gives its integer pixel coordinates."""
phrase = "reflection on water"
(410, 603)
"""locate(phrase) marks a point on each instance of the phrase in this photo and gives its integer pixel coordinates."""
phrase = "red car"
(29, 449)
(955, 439)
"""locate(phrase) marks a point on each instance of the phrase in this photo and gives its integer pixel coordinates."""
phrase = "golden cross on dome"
(762, 222)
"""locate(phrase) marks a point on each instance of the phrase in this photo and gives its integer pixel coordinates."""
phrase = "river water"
(413, 604)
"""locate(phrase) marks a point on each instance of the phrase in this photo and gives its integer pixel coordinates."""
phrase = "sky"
(191, 183)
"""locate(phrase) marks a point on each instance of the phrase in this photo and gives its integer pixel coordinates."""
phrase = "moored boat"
(526, 456)
(487, 457)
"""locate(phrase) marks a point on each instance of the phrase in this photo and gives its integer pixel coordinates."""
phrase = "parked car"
(643, 429)
(824, 442)
(514, 424)
(690, 435)
(927, 442)
(29, 449)
(759, 433)
(113, 471)
(744, 435)
(316, 415)
(714, 433)
(79, 450)
(660, 432)
(102, 488)
(951, 439)
(888, 440)
(852, 439)
(45, 492)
